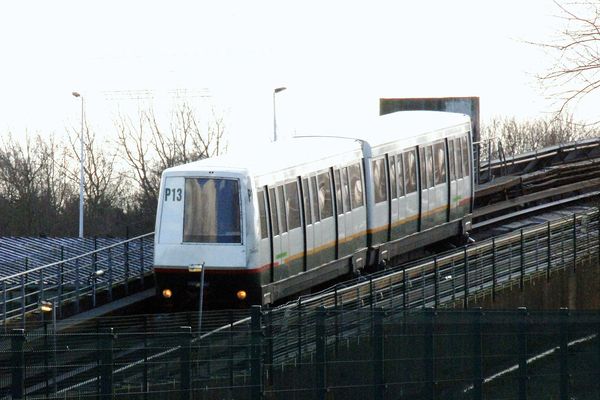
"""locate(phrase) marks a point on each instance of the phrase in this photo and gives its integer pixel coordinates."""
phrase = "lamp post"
(81, 157)
(47, 306)
(199, 268)
(277, 90)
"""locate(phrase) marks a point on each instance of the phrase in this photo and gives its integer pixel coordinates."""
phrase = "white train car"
(279, 220)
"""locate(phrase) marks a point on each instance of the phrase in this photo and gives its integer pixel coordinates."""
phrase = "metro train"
(277, 221)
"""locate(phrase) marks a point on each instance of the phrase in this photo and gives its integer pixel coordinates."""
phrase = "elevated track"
(551, 179)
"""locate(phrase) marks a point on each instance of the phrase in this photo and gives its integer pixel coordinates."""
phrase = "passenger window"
(314, 198)
(338, 192)
(439, 158)
(280, 206)
(356, 186)
(393, 189)
(306, 200)
(400, 175)
(379, 183)
(325, 203)
(410, 171)
(465, 151)
(292, 205)
(451, 159)
(428, 168)
(345, 190)
(273, 206)
(458, 159)
(422, 171)
(263, 215)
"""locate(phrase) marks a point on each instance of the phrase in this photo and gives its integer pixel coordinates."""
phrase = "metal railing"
(85, 280)
(225, 357)
(498, 164)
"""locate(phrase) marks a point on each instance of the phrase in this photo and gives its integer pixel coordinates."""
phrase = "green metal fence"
(376, 336)
(356, 354)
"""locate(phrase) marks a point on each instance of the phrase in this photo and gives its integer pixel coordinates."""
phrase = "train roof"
(405, 126)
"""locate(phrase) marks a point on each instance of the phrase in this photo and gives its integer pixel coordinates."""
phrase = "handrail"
(66, 260)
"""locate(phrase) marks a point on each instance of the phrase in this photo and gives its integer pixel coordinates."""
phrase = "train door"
(381, 212)
(453, 174)
(467, 183)
(439, 208)
(295, 234)
(358, 216)
(276, 234)
(313, 256)
(264, 246)
(343, 211)
(327, 224)
(394, 201)
(307, 222)
(283, 270)
(411, 194)
(427, 186)
(461, 201)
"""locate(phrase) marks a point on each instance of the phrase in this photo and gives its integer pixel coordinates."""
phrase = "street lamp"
(198, 268)
(81, 156)
(47, 306)
(277, 90)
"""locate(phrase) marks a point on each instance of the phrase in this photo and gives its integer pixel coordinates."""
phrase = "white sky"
(337, 58)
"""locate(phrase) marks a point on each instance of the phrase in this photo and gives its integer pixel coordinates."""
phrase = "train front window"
(212, 211)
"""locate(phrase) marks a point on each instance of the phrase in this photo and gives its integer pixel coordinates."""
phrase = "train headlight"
(167, 293)
(241, 295)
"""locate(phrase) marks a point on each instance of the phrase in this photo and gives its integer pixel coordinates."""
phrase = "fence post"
(493, 269)
(142, 262)
(523, 329)
(378, 343)
(598, 233)
(126, 250)
(77, 289)
(321, 367)
(597, 329)
(436, 284)
(256, 359)
(269, 347)
(522, 275)
(574, 242)
(477, 355)
(185, 365)
(18, 363)
(549, 240)
(4, 304)
(110, 274)
(145, 382)
(299, 341)
(564, 352)
(430, 383)
(466, 278)
(107, 363)
(404, 287)
(23, 300)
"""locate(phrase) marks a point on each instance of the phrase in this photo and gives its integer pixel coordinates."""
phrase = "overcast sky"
(337, 58)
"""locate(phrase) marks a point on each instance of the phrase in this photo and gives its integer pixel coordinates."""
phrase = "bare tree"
(576, 51)
(149, 149)
(34, 187)
(517, 137)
